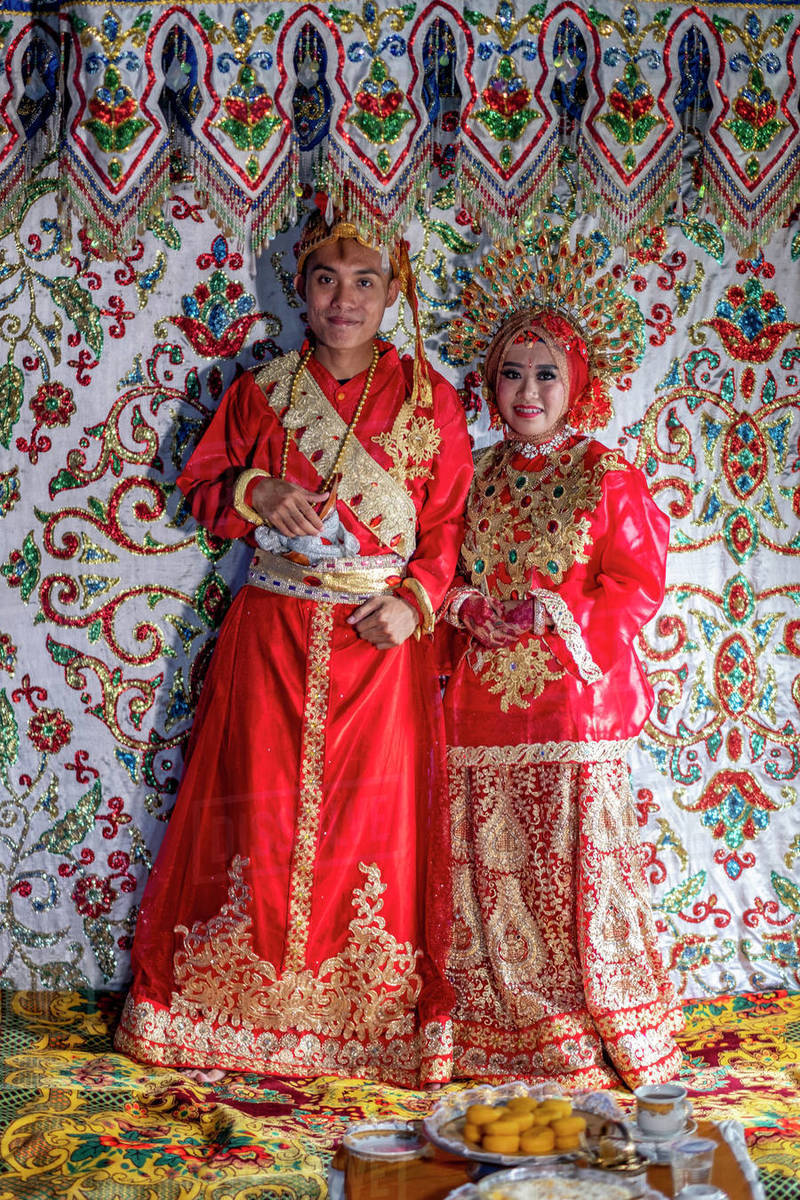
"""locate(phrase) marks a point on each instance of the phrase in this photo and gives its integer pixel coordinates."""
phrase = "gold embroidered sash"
(378, 501)
(333, 581)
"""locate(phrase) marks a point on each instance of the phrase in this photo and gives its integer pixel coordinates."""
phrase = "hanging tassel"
(422, 395)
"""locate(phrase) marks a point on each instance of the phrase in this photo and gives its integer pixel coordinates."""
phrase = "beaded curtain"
(155, 131)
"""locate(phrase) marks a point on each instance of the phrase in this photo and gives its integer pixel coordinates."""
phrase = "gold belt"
(333, 580)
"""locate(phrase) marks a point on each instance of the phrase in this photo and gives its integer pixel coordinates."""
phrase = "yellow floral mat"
(79, 1121)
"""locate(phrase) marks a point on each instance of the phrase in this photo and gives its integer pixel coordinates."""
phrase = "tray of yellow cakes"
(510, 1124)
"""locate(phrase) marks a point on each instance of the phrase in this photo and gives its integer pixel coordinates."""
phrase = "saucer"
(661, 1142)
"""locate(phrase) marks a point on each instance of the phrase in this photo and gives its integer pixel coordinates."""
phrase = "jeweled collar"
(536, 449)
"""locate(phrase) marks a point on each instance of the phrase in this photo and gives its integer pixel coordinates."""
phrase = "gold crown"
(542, 272)
(321, 228)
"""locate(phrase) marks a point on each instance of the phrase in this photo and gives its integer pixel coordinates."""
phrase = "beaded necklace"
(537, 478)
(533, 449)
(288, 436)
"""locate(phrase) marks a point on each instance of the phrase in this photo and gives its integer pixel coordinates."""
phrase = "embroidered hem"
(153, 1033)
(538, 752)
(568, 1048)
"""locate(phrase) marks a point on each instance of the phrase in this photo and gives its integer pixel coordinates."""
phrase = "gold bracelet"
(240, 490)
(422, 599)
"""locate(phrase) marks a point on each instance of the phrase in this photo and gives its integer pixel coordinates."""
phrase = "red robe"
(290, 924)
(554, 957)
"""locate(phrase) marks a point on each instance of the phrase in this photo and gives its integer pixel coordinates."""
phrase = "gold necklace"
(287, 436)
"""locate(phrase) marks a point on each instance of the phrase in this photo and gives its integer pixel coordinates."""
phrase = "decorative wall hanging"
(661, 109)
(129, 299)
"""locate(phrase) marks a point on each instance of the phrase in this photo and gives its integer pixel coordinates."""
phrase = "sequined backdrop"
(670, 134)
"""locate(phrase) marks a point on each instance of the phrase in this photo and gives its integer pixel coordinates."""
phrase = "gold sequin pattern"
(555, 508)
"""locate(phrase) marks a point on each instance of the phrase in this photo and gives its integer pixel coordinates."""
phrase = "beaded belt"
(335, 580)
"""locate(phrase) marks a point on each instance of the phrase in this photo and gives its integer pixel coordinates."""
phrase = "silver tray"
(444, 1126)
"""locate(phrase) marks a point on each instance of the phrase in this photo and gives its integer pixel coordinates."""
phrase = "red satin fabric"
(245, 432)
(300, 716)
(554, 958)
(611, 596)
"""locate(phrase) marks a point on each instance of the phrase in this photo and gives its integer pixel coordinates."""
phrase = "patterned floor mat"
(78, 1120)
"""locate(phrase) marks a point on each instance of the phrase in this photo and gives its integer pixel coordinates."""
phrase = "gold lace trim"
(312, 763)
(541, 752)
(371, 493)
(367, 990)
(569, 631)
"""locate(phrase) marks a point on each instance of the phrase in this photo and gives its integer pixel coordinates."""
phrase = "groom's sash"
(378, 501)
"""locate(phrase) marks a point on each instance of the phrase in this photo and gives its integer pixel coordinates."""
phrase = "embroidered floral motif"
(507, 99)
(218, 314)
(366, 991)
(516, 673)
(751, 323)
(540, 976)
(631, 118)
(412, 444)
(113, 119)
(380, 117)
(49, 730)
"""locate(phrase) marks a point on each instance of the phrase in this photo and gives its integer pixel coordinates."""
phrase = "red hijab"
(587, 407)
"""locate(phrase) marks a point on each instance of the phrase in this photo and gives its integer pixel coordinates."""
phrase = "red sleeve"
(440, 522)
(244, 432)
(623, 584)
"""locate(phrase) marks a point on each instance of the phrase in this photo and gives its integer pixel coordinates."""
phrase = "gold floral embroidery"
(555, 509)
(369, 491)
(412, 444)
(517, 673)
(367, 990)
(547, 960)
(312, 761)
(168, 1037)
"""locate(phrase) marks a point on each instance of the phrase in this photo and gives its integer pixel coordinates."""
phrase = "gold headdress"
(326, 224)
(542, 274)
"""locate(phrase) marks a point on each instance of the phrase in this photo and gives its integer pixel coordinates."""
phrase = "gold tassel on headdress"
(422, 395)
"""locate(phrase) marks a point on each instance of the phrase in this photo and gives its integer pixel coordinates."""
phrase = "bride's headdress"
(542, 278)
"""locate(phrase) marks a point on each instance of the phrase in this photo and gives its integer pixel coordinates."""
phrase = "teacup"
(662, 1109)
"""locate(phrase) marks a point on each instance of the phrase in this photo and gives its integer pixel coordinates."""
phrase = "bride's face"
(530, 393)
